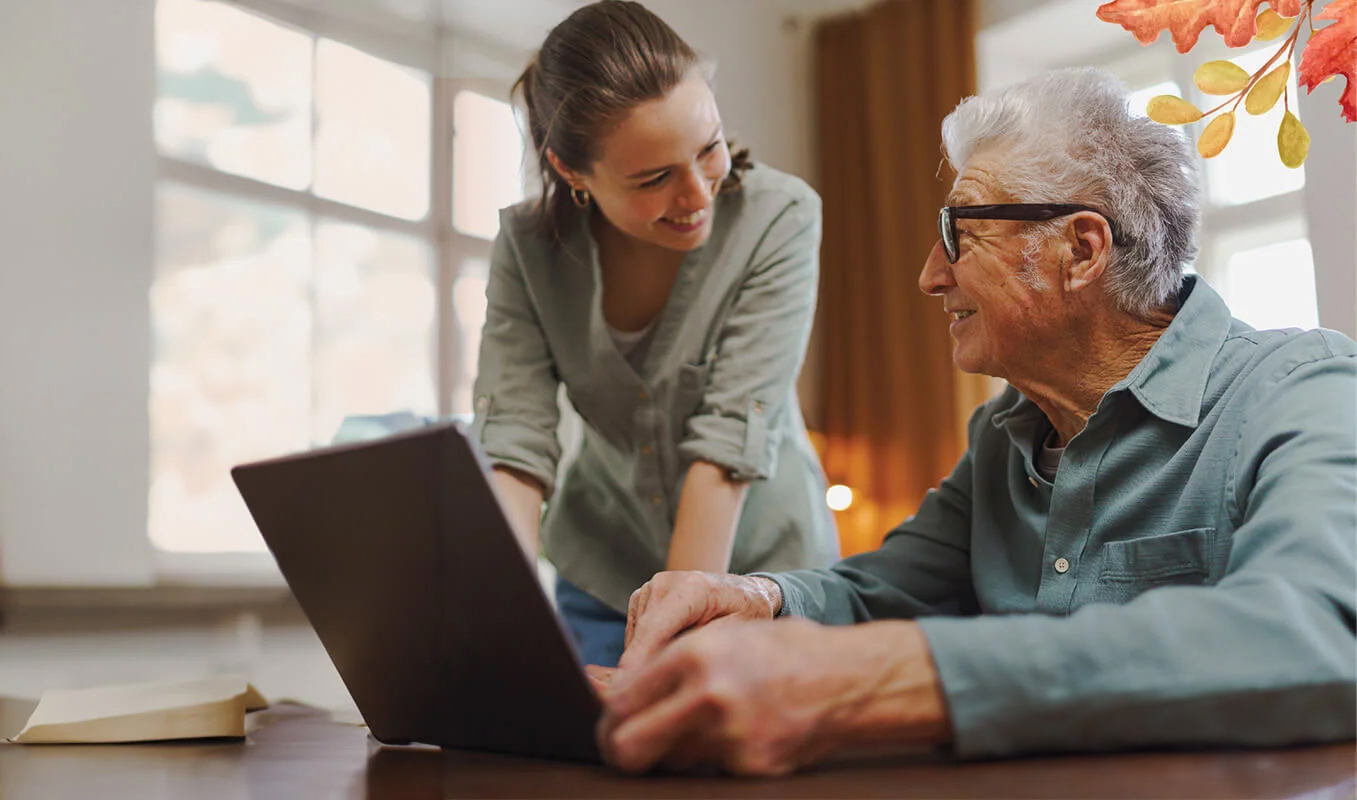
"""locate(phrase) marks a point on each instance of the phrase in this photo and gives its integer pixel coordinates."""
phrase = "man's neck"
(1096, 357)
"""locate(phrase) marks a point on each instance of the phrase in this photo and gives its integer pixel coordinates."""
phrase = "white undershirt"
(628, 341)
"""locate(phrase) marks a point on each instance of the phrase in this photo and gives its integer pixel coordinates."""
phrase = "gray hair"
(1067, 137)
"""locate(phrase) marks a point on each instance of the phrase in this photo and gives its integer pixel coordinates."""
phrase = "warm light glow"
(839, 497)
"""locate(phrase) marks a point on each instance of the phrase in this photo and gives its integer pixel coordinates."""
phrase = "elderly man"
(1149, 541)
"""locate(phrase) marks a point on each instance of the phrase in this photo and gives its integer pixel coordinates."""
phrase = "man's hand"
(766, 698)
(673, 602)
(600, 678)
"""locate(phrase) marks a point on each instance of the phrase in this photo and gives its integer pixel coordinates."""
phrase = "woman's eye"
(711, 148)
(655, 181)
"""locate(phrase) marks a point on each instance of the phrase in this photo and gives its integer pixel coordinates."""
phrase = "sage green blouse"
(716, 382)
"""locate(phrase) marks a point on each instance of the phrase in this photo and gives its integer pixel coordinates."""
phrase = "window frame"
(422, 47)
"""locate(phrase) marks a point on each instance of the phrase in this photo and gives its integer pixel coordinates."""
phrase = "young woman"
(670, 286)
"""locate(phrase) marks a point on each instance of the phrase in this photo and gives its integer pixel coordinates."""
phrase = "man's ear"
(567, 174)
(1090, 244)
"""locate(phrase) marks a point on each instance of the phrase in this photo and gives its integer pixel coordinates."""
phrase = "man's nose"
(936, 275)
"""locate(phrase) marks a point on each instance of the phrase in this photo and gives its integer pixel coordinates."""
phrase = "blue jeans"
(599, 631)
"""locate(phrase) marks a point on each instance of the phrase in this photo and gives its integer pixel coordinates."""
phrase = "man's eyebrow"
(961, 197)
(653, 171)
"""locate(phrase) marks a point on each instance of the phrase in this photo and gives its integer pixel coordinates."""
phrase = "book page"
(212, 706)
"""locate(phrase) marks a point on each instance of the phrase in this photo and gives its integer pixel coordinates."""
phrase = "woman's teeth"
(960, 315)
(691, 219)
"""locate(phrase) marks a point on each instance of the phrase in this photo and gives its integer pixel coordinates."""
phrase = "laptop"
(405, 564)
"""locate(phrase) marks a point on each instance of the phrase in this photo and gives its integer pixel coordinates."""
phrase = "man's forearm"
(899, 700)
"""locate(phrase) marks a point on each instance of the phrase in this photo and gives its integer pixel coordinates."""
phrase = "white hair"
(1066, 137)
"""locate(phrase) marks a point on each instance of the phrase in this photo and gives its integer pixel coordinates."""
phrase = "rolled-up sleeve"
(760, 350)
(1265, 657)
(516, 414)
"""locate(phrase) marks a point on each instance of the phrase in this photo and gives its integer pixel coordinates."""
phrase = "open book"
(207, 707)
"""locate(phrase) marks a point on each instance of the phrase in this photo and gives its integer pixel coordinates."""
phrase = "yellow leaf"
(1220, 77)
(1172, 110)
(1293, 141)
(1263, 96)
(1271, 25)
(1216, 135)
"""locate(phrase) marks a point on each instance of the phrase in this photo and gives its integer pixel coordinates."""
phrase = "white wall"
(76, 241)
(763, 51)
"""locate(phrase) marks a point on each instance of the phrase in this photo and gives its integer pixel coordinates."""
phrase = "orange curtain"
(894, 406)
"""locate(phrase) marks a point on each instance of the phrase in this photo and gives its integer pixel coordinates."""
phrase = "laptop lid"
(404, 563)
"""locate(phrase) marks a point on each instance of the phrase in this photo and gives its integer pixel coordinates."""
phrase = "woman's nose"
(697, 191)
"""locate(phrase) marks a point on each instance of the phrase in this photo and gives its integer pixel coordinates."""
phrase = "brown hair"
(603, 60)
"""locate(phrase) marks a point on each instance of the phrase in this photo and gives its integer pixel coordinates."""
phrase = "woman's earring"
(579, 197)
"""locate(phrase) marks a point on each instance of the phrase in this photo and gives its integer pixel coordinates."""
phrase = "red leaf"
(1332, 50)
(1234, 20)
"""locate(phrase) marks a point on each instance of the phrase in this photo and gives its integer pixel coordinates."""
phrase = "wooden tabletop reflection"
(298, 752)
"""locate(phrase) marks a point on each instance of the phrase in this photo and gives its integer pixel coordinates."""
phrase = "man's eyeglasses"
(1026, 212)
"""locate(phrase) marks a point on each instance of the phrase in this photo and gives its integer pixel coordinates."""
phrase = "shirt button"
(642, 395)
(1062, 565)
(647, 450)
(758, 407)
(482, 403)
(656, 499)
(1033, 481)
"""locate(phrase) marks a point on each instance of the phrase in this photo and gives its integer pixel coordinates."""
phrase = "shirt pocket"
(689, 390)
(1182, 558)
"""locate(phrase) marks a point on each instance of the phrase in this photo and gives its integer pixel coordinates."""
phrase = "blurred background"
(225, 225)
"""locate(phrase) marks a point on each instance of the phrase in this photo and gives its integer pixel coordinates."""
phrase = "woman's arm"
(521, 497)
(708, 511)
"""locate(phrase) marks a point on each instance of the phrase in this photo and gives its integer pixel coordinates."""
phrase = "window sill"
(62, 609)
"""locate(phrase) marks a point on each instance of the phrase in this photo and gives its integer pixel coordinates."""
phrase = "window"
(232, 329)
(372, 132)
(299, 260)
(487, 158)
(1266, 273)
(1249, 169)
(1255, 248)
(233, 92)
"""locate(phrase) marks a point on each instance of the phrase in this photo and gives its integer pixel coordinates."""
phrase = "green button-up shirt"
(1189, 577)
(717, 383)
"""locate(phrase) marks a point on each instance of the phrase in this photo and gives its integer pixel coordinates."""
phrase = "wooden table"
(296, 752)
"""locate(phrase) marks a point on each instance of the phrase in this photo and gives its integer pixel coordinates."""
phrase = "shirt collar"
(1170, 381)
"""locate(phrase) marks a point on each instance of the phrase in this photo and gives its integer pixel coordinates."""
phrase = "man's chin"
(967, 363)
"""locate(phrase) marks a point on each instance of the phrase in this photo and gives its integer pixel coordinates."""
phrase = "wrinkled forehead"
(981, 178)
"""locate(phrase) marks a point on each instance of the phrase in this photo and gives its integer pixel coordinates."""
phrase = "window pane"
(1249, 169)
(1272, 286)
(230, 378)
(468, 304)
(233, 92)
(487, 163)
(372, 137)
(375, 325)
